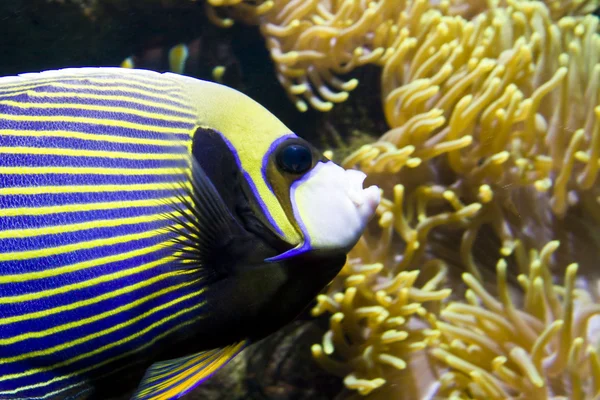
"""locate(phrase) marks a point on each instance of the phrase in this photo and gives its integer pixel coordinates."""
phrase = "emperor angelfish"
(152, 226)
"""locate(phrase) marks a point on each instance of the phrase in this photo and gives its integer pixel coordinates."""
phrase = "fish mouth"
(331, 208)
(365, 200)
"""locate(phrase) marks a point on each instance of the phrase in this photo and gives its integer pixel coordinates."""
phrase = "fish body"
(151, 226)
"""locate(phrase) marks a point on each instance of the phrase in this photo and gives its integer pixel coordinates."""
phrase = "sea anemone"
(386, 300)
(313, 42)
(493, 115)
(493, 152)
(503, 97)
(544, 349)
(489, 174)
(380, 313)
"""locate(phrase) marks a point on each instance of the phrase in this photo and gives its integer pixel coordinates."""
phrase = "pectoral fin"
(204, 223)
(173, 378)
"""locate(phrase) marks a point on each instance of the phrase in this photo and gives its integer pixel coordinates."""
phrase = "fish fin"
(205, 225)
(173, 378)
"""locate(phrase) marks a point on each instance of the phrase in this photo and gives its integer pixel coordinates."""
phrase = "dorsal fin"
(173, 378)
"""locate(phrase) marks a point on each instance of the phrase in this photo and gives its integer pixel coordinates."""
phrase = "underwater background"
(480, 120)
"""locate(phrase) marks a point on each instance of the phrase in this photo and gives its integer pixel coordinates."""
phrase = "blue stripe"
(164, 86)
(35, 160)
(13, 180)
(172, 96)
(24, 98)
(35, 393)
(93, 114)
(248, 178)
(38, 221)
(87, 292)
(49, 241)
(136, 80)
(16, 309)
(113, 352)
(92, 128)
(50, 199)
(105, 81)
(98, 145)
(42, 323)
(51, 340)
(106, 323)
(49, 262)
(173, 101)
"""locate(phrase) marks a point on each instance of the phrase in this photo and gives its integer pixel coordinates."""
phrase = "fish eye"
(295, 158)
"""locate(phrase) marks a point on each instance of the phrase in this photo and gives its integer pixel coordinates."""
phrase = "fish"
(199, 57)
(128, 63)
(178, 55)
(152, 226)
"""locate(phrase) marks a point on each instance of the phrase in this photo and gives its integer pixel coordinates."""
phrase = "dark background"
(38, 35)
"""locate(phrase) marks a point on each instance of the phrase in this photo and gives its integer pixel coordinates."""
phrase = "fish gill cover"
(478, 280)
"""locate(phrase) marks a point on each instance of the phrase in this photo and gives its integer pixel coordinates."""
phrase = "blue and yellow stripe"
(170, 379)
(91, 165)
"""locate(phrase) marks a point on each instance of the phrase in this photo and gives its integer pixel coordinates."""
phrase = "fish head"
(307, 203)
(288, 218)
(327, 203)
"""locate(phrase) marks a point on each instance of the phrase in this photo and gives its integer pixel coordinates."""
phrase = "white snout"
(332, 207)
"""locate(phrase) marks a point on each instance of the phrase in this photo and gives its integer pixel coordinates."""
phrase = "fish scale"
(81, 321)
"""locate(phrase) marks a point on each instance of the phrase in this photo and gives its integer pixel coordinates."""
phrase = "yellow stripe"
(54, 393)
(95, 318)
(174, 374)
(178, 369)
(87, 302)
(90, 171)
(81, 226)
(98, 334)
(110, 97)
(116, 88)
(188, 376)
(178, 374)
(96, 121)
(79, 207)
(91, 107)
(82, 383)
(95, 335)
(87, 189)
(47, 273)
(203, 369)
(52, 251)
(110, 360)
(167, 141)
(109, 78)
(90, 153)
(85, 284)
